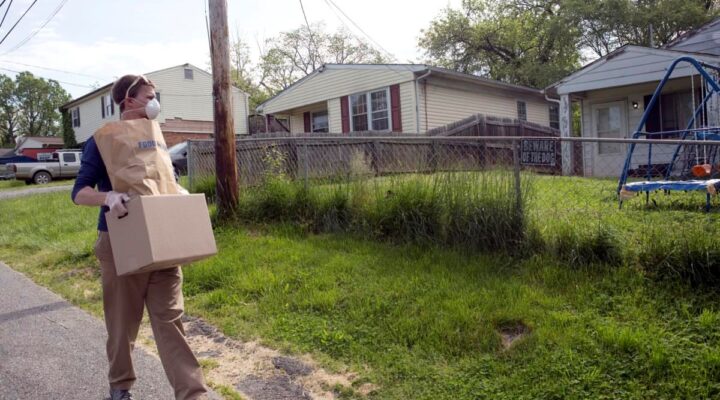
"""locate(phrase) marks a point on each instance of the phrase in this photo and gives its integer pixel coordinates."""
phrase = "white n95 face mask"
(152, 109)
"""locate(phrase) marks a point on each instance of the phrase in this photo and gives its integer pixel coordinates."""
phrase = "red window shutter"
(308, 127)
(102, 105)
(395, 108)
(345, 114)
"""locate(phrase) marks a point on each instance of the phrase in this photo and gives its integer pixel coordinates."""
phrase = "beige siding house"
(409, 98)
(613, 92)
(185, 95)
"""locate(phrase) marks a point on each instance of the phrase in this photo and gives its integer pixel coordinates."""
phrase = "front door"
(609, 121)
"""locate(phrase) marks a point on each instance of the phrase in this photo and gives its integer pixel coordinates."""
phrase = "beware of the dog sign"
(538, 152)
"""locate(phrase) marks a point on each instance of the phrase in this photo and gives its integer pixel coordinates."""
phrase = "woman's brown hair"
(121, 86)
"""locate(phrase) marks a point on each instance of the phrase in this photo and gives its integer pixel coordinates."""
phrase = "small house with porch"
(400, 98)
(614, 91)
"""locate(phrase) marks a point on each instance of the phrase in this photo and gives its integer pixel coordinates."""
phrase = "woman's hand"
(116, 202)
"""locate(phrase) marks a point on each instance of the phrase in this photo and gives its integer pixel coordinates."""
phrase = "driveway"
(11, 194)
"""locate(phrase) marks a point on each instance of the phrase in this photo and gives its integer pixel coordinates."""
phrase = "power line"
(6, 12)
(47, 21)
(312, 41)
(392, 57)
(329, 2)
(207, 27)
(67, 83)
(18, 21)
(55, 69)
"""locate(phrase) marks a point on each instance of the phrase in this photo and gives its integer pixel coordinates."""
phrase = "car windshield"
(178, 148)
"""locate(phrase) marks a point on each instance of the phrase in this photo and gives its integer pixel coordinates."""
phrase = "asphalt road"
(52, 350)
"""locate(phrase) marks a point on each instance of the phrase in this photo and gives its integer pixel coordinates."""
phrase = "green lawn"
(426, 323)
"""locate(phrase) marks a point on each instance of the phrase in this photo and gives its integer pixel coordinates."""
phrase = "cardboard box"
(161, 231)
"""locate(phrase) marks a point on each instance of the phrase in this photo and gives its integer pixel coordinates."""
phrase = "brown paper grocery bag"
(136, 157)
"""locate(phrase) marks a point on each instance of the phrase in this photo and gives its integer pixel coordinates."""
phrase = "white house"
(185, 95)
(37, 146)
(613, 93)
(409, 98)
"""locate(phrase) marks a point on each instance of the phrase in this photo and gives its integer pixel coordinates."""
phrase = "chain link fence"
(565, 195)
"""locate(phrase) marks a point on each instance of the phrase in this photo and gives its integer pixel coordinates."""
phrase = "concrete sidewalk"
(52, 350)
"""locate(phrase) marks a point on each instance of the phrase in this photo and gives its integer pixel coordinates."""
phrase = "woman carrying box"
(124, 297)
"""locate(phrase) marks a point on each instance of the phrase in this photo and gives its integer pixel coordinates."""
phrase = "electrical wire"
(312, 40)
(35, 32)
(330, 2)
(6, 12)
(390, 55)
(67, 83)
(207, 26)
(55, 70)
(17, 22)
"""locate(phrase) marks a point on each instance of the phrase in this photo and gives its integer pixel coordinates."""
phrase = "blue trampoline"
(681, 174)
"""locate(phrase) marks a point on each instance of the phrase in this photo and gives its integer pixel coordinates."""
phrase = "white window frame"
(368, 99)
(517, 107)
(109, 109)
(75, 116)
(312, 121)
(192, 73)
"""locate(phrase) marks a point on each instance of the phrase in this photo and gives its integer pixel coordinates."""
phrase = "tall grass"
(477, 211)
(574, 220)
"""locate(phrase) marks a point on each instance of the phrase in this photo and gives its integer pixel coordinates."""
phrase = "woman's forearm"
(88, 196)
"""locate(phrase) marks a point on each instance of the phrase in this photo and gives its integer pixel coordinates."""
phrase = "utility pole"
(225, 158)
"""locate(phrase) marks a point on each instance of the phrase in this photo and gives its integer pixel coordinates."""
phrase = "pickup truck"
(64, 164)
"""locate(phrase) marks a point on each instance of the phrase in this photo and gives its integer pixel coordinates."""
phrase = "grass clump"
(470, 211)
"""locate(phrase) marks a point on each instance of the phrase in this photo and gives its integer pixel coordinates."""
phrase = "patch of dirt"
(256, 371)
(511, 333)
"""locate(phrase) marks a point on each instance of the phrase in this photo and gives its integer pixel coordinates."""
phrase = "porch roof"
(628, 65)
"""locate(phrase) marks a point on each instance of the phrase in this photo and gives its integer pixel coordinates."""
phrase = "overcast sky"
(100, 40)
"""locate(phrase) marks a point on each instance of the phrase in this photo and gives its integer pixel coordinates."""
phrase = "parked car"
(178, 155)
(7, 173)
(65, 164)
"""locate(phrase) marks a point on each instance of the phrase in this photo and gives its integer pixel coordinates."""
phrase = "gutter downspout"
(417, 99)
(556, 101)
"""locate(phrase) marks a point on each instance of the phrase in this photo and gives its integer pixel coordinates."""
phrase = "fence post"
(190, 167)
(516, 173)
(292, 158)
(375, 157)
(305, 162)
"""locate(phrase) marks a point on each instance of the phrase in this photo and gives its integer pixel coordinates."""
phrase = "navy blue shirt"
(93, 173)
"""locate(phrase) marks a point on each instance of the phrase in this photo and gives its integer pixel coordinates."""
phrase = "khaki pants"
(124, 298)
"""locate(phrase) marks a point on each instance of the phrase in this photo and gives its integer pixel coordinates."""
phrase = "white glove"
(182, 190)
(115, 201)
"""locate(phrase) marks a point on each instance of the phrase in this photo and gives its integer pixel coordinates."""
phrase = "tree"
(8, 111)
(523, 41)
(38, 101)
(242, 72)
(68, 133)
(292, 55)
(609, 24)
(536, 42)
